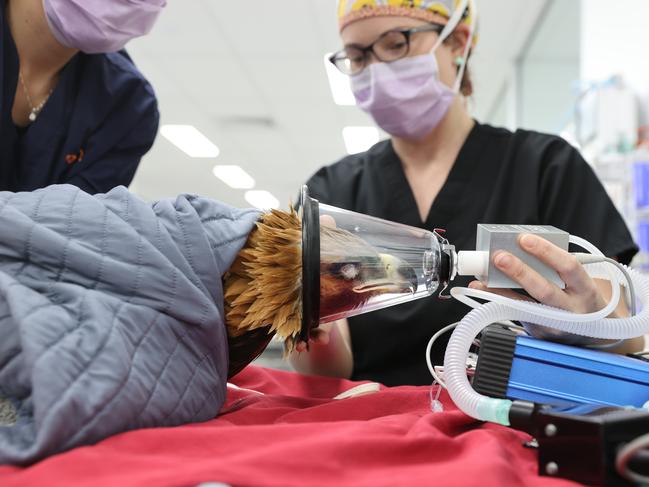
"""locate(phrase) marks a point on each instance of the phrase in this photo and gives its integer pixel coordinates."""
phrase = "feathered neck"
(263, 288)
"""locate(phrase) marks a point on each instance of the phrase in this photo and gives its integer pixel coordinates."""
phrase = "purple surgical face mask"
(97, 26)
(405, 98)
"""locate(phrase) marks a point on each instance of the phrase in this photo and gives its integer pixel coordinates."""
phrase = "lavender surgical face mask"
(97, 26)
(405, 98)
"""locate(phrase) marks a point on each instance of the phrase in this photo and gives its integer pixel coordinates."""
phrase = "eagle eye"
(347, 271)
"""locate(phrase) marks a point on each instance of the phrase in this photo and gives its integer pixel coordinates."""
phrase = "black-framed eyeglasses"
(390, 46)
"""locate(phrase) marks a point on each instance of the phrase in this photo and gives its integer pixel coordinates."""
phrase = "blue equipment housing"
(525, 368)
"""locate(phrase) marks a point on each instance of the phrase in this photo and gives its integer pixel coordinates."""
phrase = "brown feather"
(263, 288)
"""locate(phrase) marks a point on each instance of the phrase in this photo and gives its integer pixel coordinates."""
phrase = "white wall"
(541, 87)
(614, 41)
(549, 69)
(548, 94)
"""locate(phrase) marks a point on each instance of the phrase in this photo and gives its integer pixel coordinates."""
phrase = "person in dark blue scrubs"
(67, 116)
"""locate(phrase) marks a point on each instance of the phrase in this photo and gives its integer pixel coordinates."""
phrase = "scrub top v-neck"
(99, 121)
(498, 177)
(449, 199)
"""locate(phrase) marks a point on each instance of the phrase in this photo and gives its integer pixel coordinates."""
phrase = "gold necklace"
(34, 110)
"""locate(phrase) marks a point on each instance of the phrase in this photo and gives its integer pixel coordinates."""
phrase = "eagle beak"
(399, 278)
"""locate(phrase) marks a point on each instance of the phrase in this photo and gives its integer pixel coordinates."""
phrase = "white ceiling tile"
(184, 27)
(262, 26)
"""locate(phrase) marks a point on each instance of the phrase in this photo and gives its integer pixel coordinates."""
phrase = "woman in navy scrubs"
(73, 110)
(442, 169)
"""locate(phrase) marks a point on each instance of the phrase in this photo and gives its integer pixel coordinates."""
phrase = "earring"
(459, 61)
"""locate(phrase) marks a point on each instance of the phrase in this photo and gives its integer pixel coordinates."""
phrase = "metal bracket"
(449, 250)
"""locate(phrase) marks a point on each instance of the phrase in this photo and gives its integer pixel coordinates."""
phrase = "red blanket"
(295, 434)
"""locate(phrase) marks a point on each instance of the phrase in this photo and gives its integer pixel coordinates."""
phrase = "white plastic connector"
(472, 263)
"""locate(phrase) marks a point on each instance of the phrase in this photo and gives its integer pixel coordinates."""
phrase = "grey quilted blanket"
(111, 315)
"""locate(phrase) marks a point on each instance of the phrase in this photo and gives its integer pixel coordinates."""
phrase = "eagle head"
(263, 287)
(352, 273)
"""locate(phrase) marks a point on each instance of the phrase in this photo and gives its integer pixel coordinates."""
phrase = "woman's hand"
(329, 351)
(317, 336)
(581, 294)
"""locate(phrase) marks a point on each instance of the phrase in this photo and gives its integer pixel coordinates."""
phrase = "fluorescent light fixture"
(339, 83)
(359, 139)
(234, 176)
(261, 199)
(190, 140)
